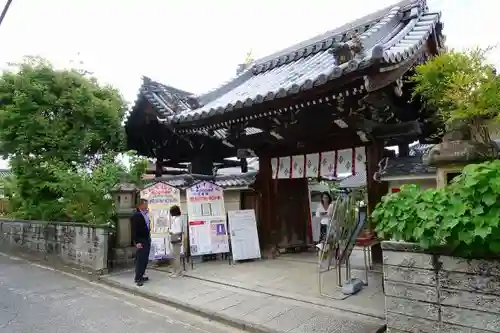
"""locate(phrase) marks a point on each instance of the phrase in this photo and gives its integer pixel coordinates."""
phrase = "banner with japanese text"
(161, 197)
(207, 219)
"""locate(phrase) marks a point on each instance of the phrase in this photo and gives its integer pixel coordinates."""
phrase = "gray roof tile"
(412, 165)
(407, 166)
(354, 181)
(224, 181)
(5, 173)
(391, 35)
(166, 100)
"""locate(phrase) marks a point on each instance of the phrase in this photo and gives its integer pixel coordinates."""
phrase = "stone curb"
(212, 315)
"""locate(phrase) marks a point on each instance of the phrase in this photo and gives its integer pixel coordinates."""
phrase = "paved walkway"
(251, 310)
(295, 276)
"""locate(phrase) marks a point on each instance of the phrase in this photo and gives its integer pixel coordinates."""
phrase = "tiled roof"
(224, 181)
(420, 149)
(391, 35)
(355, 181)
(165, 99)
(5, 173)
(407, 166)
(413, 164)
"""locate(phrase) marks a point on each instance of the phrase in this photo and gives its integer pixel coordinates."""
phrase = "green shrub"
(463, 217)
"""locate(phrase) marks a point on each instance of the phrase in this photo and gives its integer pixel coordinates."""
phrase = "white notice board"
(244, 236)
(206, 219)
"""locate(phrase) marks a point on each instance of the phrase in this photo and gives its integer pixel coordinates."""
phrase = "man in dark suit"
(141, 236)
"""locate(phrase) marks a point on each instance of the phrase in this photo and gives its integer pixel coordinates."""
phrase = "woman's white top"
(325, 214)
(176, 227)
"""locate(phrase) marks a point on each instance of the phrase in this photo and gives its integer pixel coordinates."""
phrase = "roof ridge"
(226, 86)
(404, 5)
(147, 80)
(248, 73)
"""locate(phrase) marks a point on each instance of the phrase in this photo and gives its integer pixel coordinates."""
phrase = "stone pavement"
(295, 276)
(249, 310)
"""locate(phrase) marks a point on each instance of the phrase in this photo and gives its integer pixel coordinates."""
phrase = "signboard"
(161, 196)
(244, 236)
(207, 219)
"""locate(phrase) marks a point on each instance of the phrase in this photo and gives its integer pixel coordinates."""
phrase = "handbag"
(175, 238)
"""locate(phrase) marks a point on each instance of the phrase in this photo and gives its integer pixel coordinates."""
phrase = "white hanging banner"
(344, 161)
(327, 164)
(360, 160)
(312, 165)
(284, 168)
(298, 163)
(274, 167)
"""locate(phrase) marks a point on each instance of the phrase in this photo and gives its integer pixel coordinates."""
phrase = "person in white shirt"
(176, 236)
(324, 211)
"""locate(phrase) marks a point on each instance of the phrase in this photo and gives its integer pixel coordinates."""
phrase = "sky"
(195, 45)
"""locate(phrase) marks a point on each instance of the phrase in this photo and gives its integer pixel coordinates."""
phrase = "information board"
(207, 219)
(244, 236)
(161, 197)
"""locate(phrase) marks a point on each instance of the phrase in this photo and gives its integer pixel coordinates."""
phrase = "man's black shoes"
(141, 281)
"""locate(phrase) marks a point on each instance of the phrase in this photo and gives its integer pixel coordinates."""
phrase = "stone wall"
(75, 244)
(436, 293)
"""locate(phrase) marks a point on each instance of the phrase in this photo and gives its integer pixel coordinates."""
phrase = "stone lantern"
(456, 151)
(125, 196)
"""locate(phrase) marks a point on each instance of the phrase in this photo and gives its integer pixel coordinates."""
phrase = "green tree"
(464, 89)
(57, 114)
(62, 132)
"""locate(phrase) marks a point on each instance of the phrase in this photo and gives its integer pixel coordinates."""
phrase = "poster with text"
(161, 196)
(219, 239)
(208, 237)
(207, 219)
(205, 200)
(244, 236)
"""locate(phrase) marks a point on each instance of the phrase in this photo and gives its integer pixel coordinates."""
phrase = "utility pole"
(4, 11)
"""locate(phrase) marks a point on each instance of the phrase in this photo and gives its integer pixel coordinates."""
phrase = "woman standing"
(176, 237)
(324, 211)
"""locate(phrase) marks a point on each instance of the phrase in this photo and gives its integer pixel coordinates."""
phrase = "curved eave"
(411, 40)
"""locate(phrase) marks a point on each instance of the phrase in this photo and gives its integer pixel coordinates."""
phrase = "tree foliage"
(62, 132)
(462, 86)
(463, 216)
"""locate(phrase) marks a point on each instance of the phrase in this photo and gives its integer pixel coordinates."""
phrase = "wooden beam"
(167, 172)
(312, 145)
(221, 163)
(387, 131)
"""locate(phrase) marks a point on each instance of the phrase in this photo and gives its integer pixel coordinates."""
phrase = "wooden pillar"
(268, 208)
(376, 190)
(244, 165)
(403, 150)
(203, 164)
(159, 166)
